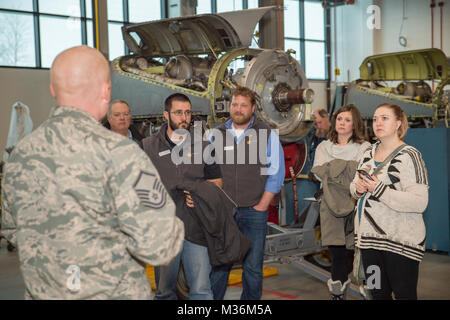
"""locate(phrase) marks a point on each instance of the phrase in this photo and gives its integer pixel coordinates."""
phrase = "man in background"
(119, 121)
(322, 122)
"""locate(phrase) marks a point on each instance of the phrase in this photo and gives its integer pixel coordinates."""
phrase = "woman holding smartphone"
(346, 142)
(389, 227)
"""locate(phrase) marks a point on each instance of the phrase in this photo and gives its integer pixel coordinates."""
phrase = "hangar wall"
(355, 40)
(30, 86)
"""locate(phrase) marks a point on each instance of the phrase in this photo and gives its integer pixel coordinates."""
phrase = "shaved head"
(80, 78)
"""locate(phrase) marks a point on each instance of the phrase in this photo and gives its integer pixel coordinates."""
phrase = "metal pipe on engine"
(285, 99)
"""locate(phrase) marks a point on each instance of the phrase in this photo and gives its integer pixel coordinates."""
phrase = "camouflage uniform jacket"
(86, 209)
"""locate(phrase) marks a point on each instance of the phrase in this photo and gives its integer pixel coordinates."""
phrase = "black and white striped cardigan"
(391, 217)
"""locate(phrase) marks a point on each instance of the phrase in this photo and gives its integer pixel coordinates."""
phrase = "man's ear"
(107, 92)
(52, 91)
(166, 116)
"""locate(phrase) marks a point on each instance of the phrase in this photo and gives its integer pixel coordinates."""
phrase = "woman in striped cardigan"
(389, 227)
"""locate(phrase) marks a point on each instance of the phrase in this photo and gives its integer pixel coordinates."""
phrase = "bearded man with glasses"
(194, 255)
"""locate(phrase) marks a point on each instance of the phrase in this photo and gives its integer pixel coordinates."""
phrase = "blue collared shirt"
(276, 171)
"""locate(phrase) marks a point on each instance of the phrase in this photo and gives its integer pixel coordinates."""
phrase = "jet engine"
(416, 80)
(204, 57)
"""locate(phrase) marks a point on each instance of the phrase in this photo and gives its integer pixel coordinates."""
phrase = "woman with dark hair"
(342, 150)
(389, 227)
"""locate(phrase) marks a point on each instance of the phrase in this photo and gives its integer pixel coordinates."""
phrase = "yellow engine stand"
(235, 275)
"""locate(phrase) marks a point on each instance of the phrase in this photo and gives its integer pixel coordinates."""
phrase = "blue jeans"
(253, 225)
(197, 269)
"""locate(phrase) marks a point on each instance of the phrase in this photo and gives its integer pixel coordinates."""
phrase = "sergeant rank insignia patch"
(150, 190)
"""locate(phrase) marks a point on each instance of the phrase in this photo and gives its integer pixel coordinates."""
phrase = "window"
(144, 10)
(291, 19)
(123, 12)
(33, 32)
(304, 31)
(217, 6)
(252, 4)
(17, 40)
(314, 21)
(26, 5)
(232, 5)
(57, 34)
(60, 7)
(229, 5)
(294, 45)
(315, 40)
(115, 10)
(88, 9)
(315, 60)
(90, 34)
(203, 6)
(32, 37)
(115, 41)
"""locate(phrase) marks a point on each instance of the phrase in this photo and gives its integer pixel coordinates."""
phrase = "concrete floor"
(289, 284)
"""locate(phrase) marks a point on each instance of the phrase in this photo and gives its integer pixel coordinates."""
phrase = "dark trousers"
(341, 263)
(399, 275)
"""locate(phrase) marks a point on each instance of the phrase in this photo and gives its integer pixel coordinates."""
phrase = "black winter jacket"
(213, 212)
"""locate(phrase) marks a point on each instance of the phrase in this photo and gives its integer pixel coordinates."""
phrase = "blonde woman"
(389, 227)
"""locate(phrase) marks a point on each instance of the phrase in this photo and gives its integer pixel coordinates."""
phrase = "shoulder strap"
(389, 158)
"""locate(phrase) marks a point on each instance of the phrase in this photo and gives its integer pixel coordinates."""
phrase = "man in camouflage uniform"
(85, 207)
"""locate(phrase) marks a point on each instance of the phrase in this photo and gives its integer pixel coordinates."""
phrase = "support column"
(271, 26)
(377, 34)
(100, 22)
(328, 54)
(181, 8)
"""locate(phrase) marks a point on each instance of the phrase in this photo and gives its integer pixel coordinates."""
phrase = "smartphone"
(364, 173)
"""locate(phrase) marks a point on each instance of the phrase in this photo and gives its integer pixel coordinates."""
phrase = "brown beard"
(174, 127)
(243, 121)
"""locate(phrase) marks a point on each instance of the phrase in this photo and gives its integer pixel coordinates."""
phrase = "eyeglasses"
(179, 113)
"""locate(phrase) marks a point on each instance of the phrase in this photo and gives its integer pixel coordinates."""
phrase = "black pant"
(341, 263)
(399, 275)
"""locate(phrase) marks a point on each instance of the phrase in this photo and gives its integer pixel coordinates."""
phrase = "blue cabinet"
(434, 144)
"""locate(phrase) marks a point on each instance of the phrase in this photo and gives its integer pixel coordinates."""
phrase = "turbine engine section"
(281, 82)
(403, 78)
(192, 68)
(205, 57)
(178, 71)
(419, 91)
(179, 67)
